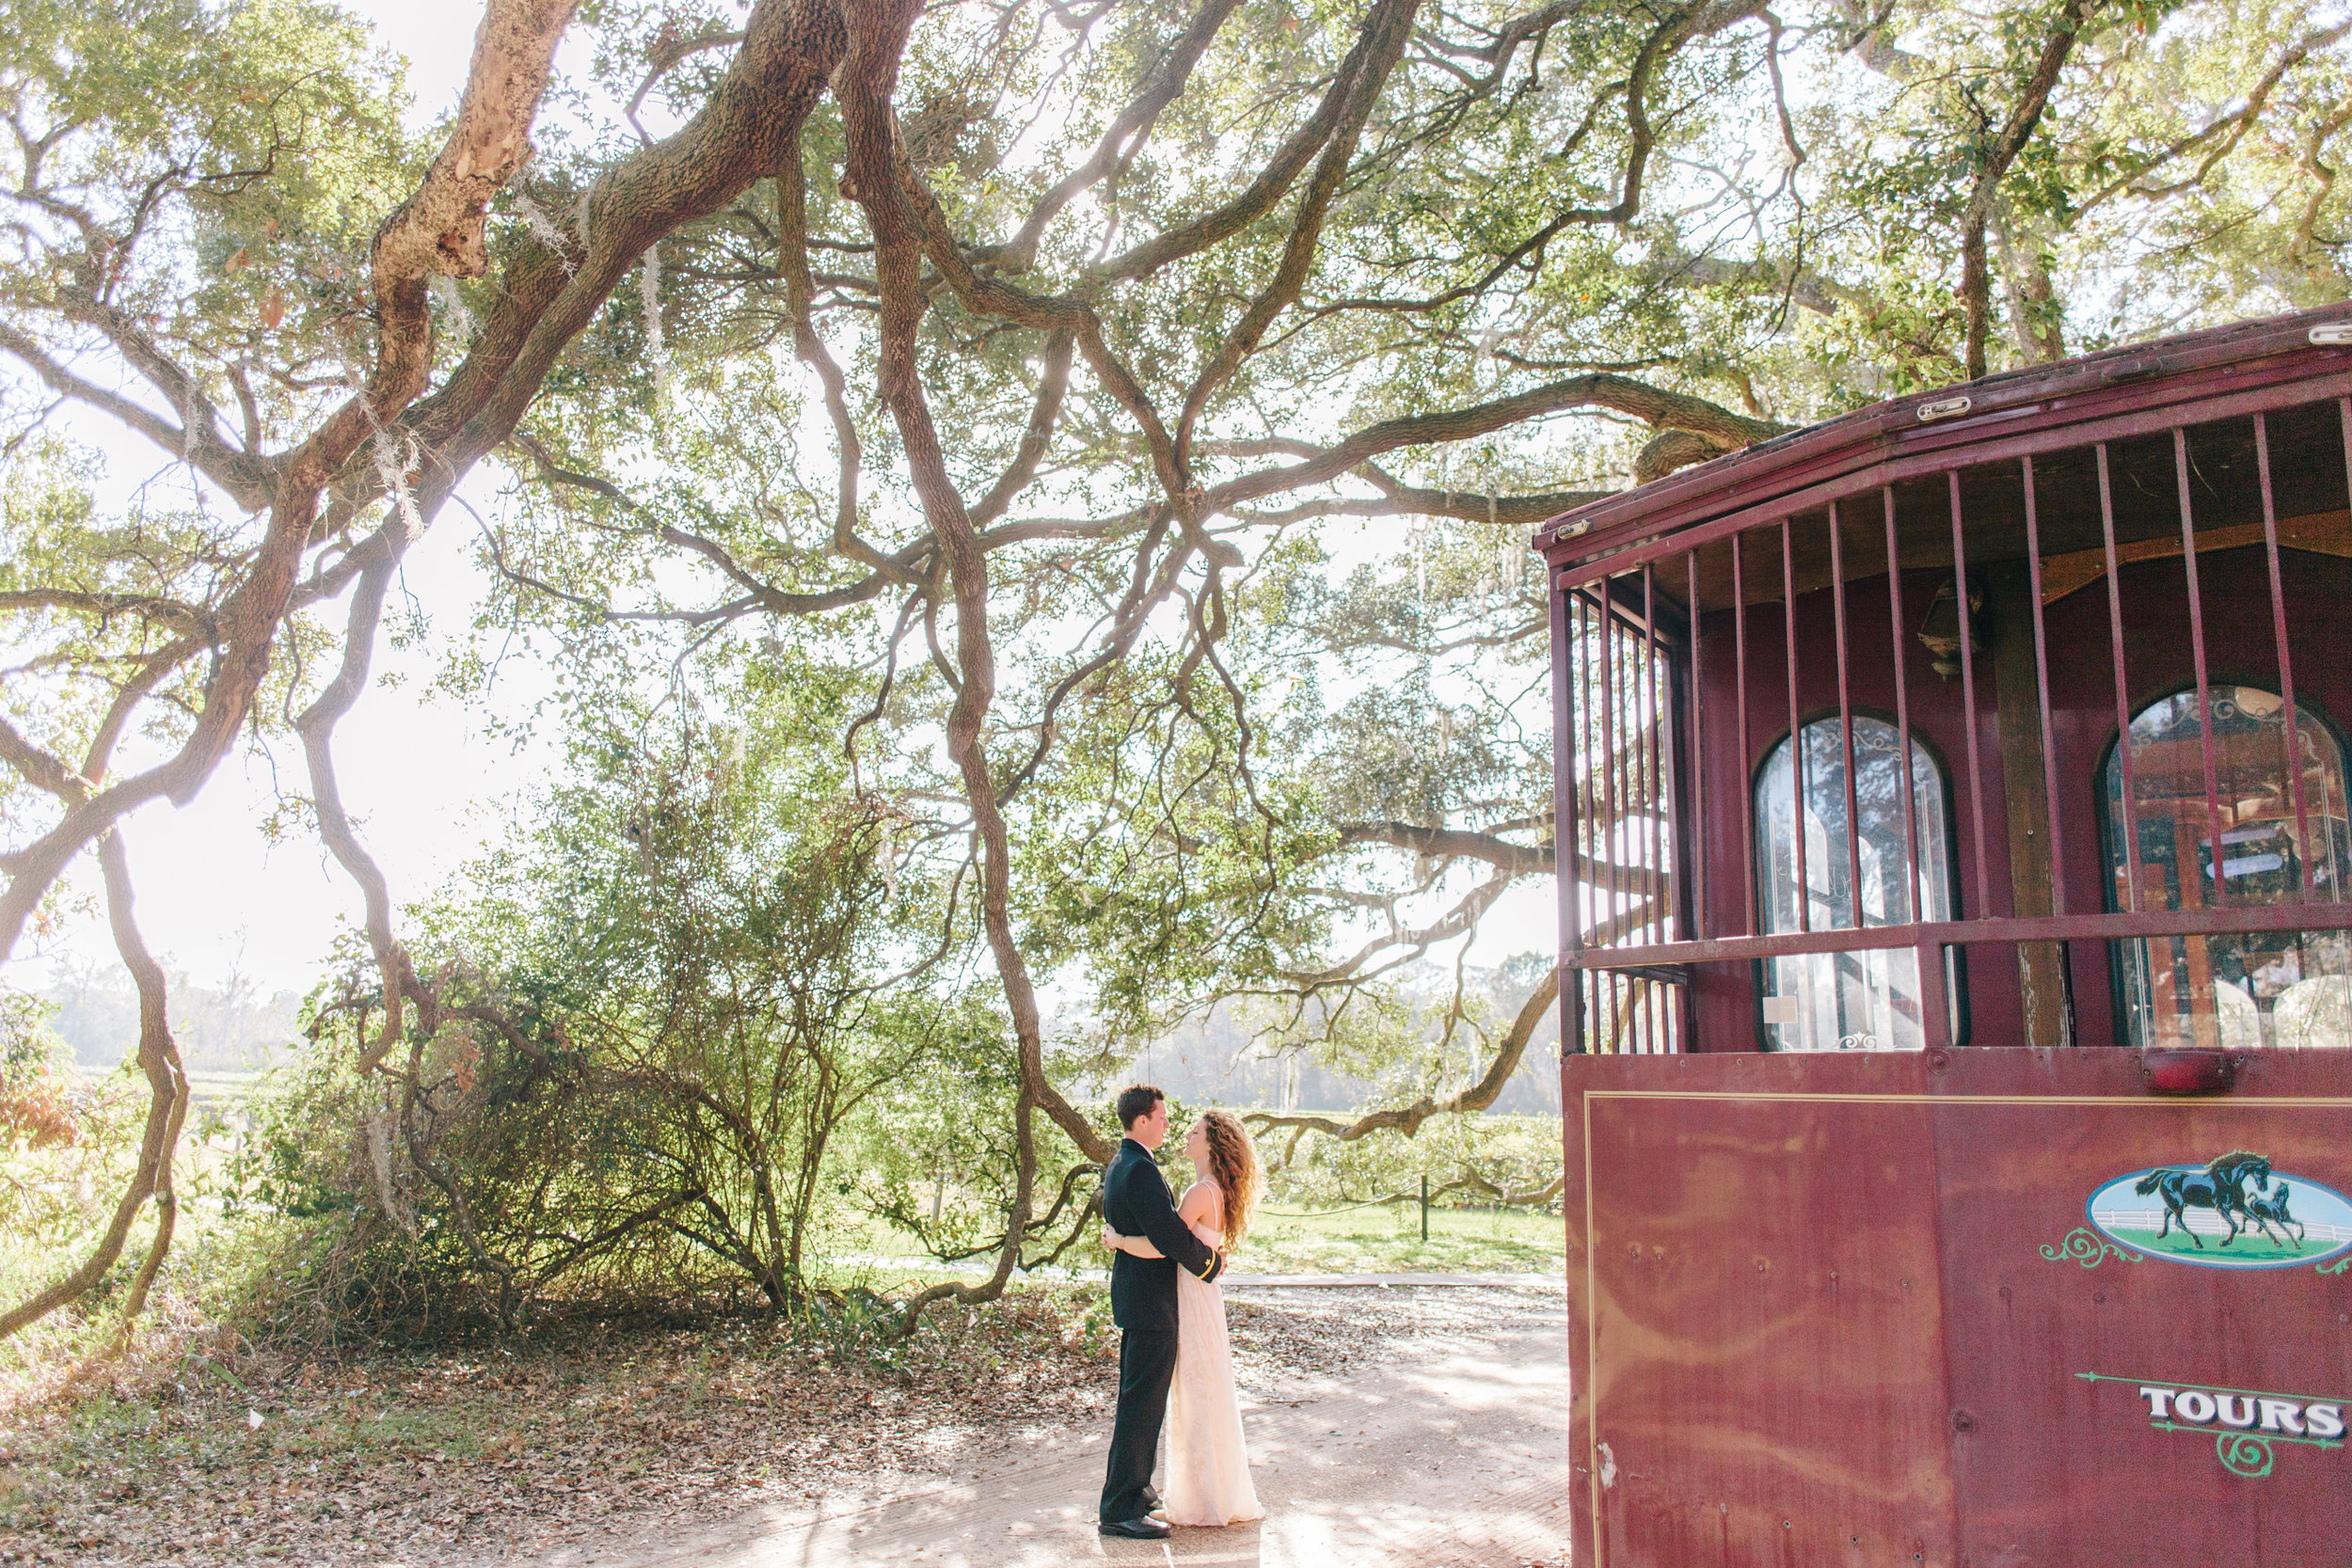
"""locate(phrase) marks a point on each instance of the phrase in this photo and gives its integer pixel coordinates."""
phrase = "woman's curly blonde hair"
(1233, 1164)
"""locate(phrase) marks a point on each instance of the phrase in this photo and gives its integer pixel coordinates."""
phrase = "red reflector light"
(2186, 1071)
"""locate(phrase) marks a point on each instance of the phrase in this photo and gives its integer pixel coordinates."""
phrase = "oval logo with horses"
(2233, 1211)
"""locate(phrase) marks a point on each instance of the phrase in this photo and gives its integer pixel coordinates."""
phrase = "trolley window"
(1858, 1001)
(2282, 837)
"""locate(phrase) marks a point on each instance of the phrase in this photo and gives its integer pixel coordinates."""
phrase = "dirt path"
(1450, 1453)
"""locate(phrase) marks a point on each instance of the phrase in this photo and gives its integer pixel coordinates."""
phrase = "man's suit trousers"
(1147, 1363)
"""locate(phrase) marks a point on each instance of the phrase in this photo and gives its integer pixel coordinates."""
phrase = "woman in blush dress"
(1208, 1478)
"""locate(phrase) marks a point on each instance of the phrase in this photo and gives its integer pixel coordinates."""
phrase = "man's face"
(1151, 1126)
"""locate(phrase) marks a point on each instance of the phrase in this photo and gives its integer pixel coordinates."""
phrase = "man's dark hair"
(1135, 1101)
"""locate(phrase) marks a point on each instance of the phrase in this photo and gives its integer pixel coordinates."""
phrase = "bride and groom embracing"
(1172, 1319)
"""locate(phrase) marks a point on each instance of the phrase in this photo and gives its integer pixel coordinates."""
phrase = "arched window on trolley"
(2283, 833)
(1866, 999)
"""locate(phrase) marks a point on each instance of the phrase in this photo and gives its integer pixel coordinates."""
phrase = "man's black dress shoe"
(1134, 1530)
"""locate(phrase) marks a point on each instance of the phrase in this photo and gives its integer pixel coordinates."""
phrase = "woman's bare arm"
(1202, 1208)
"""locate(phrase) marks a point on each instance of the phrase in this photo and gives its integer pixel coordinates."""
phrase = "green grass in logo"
(2178, 1245)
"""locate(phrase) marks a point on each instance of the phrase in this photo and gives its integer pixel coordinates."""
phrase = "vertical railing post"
(2344, 429)
(2041, 692)
(1610, 809)
(1845, 721)
(1903, 714)
(2207, 1024)
(2129, 816)
(1740, 681)
(2126, 817)
(1968, 694)
(2286, 661)
(1653, 798)
(1929, 985)
(2056, 837)
(1694, 850)
(1564, 820)
(1796, 727)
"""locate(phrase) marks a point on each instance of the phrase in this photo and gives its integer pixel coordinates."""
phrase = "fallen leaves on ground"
(509, 1451)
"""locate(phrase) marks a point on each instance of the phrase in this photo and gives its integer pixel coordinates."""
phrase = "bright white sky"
(215, 899)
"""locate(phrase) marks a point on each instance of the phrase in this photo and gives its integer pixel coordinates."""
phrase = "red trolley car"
(1957, 975)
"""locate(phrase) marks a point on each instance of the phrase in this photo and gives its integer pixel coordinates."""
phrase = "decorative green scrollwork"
(2336, 1267)
(2084, 1245)
(2244, 1454)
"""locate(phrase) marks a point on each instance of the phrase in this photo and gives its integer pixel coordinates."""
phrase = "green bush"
(656, 1008)
(68, 1144)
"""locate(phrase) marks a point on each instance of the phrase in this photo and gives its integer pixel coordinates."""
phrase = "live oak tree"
(1145, 403)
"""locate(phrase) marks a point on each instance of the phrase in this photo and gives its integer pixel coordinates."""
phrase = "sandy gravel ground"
(1444, 1449)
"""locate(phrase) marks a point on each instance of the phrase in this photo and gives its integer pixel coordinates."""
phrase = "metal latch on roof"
(2332, 333)
(1943, 408)
(2134, 369)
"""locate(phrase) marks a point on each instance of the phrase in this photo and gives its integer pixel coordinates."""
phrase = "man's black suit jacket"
(1136, 1203)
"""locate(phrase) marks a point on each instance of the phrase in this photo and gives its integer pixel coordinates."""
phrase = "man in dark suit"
(1143, 1305)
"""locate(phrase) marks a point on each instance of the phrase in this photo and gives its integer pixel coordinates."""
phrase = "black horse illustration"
(2220, 1187)
(2267, 1211)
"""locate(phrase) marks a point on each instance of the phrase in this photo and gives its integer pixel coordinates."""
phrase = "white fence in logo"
(2205, 1222)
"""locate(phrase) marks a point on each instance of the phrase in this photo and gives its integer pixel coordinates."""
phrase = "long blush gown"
(1208, 1468)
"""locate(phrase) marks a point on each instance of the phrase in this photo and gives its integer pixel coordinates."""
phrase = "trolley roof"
(2292, 368)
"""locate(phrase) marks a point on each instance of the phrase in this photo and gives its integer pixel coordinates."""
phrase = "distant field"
(1282, 1241)
(219, 1087)
(1387, 1240)
(217, 1082)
